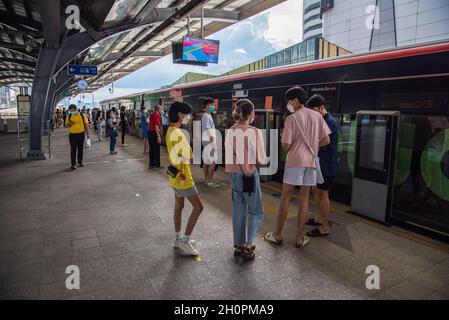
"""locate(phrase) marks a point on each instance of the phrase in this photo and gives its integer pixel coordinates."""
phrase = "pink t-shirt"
(314, 129)
(247, 143)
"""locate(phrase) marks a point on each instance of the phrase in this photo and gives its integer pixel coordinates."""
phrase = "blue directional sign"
(82, 70)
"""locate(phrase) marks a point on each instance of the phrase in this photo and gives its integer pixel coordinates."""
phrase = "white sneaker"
(213, 185)
(188, 248)
(177, 242)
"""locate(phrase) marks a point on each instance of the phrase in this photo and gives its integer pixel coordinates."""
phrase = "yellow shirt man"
(77, 123)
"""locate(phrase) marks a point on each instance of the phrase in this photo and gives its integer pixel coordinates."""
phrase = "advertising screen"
(201, 50)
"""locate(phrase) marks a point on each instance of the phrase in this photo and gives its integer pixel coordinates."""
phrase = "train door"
(266, 119)
(279, 120)
(375, 163)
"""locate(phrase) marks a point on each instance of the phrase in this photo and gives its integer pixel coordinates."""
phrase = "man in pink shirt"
(305, 131)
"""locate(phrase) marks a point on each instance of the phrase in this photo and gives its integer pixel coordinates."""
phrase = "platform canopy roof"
(139, 32)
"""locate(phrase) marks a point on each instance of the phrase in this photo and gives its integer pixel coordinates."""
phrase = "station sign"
(73, 69)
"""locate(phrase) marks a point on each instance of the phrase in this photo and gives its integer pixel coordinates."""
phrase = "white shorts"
(210, 155)
(300, 176)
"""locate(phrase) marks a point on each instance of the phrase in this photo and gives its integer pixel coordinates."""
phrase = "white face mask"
(290, 108)
(186, 119)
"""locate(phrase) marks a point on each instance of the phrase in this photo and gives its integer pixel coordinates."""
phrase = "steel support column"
(41, 87)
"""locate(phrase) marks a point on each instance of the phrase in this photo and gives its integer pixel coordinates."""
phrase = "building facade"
(312, 23)
(365, 25)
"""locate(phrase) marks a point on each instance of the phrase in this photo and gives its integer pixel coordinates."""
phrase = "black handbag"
(248, 182)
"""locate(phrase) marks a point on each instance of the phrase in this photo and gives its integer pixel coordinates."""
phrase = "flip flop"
(312, 222)
(270, 237)
(305, 242)
(316, 233)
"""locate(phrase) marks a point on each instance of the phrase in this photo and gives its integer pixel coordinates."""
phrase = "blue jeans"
(243, 203)
(113, 140)
(100, 131)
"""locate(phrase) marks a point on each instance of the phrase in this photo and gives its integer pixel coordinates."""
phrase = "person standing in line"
(64, 115)
(123, 124)
(58, 118)
(78, 129)
(144, 128)
(180, 176)
(209, 140)
(304, 132)
(154, 138)
(112, 124)
(329, 169)
(245, 153)
(100, 122)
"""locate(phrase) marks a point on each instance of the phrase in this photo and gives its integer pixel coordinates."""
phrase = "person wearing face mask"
(154, 138)
(180, 176)
(329, 168)
(144, 128)
(209, 142)
(78, 129)
(304, 132)
(112, 125)
(244, 148)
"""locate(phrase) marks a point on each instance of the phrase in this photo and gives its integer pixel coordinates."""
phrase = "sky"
(249, 40)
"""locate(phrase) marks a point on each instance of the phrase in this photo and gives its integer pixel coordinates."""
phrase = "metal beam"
(41, 89)
(28, 71)
(122, 70)
(21, 62)
(18, 22)
(95, 12)
(17, 49)
(180, 14)
(146, 10)
(51, 21)
(31, 33)
(14, 76)
(162, 14)
(138, 54)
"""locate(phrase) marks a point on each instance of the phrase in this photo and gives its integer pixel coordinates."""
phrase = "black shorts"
(327, 184)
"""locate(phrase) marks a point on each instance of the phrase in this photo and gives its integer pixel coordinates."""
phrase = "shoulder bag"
(319, 174)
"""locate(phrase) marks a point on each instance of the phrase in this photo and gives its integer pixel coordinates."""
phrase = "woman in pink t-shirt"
(304, 132)
(244, 148)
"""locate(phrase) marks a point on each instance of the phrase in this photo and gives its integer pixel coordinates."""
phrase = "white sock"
(178, 236)
(186, 238)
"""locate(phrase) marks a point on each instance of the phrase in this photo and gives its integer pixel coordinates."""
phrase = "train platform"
(113, 220)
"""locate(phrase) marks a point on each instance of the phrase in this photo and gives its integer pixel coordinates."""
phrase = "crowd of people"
(309, 137)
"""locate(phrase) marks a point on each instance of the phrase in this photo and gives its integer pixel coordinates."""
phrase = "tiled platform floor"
(113, 219)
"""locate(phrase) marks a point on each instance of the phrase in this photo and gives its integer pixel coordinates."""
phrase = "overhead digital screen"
(200, 50)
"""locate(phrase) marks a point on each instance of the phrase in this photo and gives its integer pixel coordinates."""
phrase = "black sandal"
(312, 222)
(317, 233)
(248, 253)
(240, 250)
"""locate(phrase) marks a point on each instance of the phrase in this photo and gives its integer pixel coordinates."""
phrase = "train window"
(372, 146)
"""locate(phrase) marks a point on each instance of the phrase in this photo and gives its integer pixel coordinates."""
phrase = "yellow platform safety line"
(397, 232)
